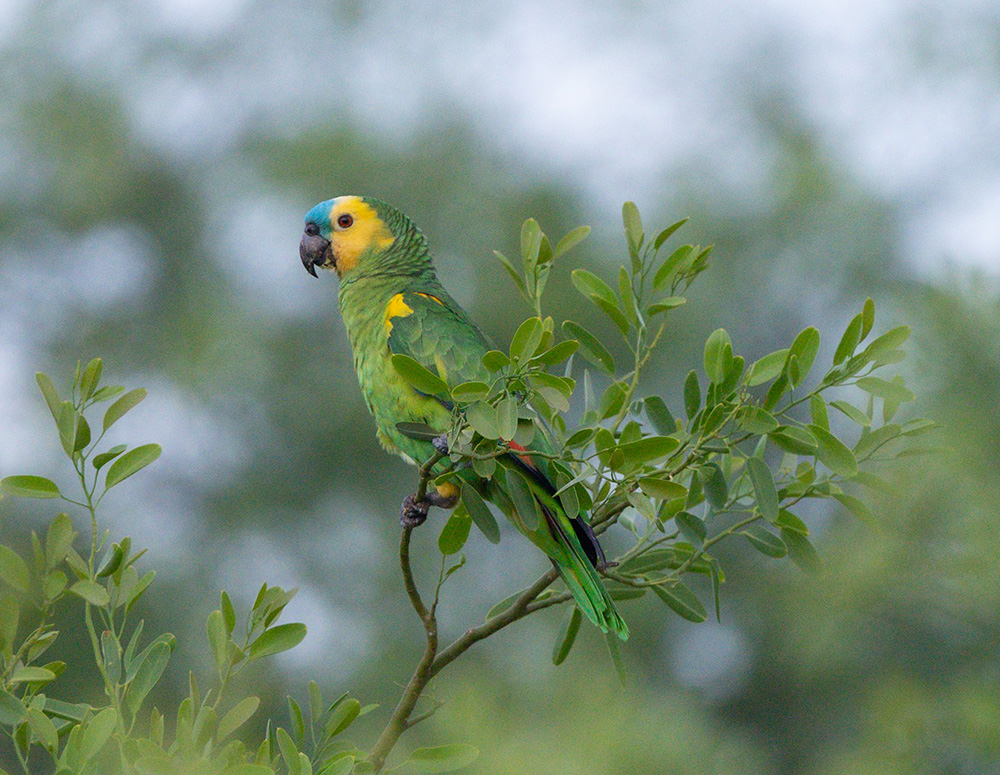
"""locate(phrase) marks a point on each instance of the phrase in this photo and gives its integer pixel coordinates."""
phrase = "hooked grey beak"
(313, 250)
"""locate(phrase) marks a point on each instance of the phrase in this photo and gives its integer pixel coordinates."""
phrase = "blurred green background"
(156, 159)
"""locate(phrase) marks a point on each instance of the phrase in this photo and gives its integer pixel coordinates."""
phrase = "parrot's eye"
(312, 229)
(345, 221)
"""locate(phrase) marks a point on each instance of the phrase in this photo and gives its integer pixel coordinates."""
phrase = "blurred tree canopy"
(179, 268)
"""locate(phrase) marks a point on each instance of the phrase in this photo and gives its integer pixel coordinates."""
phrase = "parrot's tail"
(577, 567)
(569, 543)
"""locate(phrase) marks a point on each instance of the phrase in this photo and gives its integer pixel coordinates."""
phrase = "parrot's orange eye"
(345, 221)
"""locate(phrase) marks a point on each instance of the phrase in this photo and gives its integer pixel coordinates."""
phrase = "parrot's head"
(349, 234)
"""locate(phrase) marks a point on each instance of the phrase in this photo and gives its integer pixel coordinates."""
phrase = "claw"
(413, 513)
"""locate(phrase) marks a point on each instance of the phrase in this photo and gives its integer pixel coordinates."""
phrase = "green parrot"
(391, 302)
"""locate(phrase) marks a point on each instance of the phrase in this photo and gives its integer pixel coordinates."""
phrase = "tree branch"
(433, 662)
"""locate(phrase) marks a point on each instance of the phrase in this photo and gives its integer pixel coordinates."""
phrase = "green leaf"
(886, 390)
(664, 235)
(869, 442)
(817, 409)
(228, 612)
(237, 716)
(590, 285)
(763, 487)
(470, 391)
(888, 342)
(483, 419)
(858, 508)
(801, 551)
(788, 520)
(613, 399)
(67, 424)
(757, 420)
(611, 310)
(648, 449)
(218, 639)
(804, 349)
(494, 360)
(849, 341)
(49, 393)
(91, 378)
(718, 355)
(659, 415)
(568, 636)
(419, 378)
(662, 488)
(107, 392)
(25, 674)
(714, 483)
(152, 663)
(627, 295)
(682, 600)
(795, 440)
(343, 715)
(665, 305)
(531, 242)
(12, 710)
(58, 540)
(507, 417)
(278, 639)
(767, 368)
(29, 487)
(417, 430)
(558, 353)
(131, 462)
(106, 457)
(691, 526)
(118, 409)
(43, 728)
(480, 513)
(592, 349)
(692, 395)
(633, 226)
(454, 533)
(526, 339)
(91, 591)
(571, 240)
(867, 318)
(666, 272)
(855, 414)
(833, 452)
(764, 541)
(442, 758)
(97, 733)
(514, 274)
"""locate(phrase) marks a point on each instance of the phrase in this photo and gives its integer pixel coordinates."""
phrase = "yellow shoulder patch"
(396, 308)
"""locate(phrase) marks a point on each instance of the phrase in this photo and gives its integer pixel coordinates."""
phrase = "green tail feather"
(585, 585)
(559, 540)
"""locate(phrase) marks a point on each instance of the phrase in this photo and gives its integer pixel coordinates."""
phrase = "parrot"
(391, 302)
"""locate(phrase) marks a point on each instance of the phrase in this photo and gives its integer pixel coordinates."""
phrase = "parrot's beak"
(314, 251)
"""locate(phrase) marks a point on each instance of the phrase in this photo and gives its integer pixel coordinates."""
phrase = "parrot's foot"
(413, 513)
(441, 443)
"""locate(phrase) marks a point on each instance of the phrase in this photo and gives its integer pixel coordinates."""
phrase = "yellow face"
(354, 228)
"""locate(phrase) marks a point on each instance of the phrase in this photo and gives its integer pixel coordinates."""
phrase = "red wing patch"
(525, 457)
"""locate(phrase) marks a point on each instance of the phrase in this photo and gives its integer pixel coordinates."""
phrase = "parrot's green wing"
(435, 332)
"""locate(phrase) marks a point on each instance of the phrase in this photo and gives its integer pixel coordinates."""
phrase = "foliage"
(749, 444)
(753, 441)
(122, 733)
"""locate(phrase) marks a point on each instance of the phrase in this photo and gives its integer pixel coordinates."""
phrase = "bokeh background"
(155, 162)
